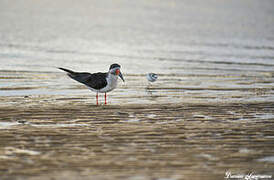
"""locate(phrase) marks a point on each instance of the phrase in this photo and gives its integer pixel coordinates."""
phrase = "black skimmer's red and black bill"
(98, 82)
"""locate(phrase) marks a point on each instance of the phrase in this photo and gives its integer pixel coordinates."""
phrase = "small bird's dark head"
(114, 66)
(115, 70)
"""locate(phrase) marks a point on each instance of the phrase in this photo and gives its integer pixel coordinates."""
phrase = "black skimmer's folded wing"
(96, 81)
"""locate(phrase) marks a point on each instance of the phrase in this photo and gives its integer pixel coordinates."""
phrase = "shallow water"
(210, 111)
(224, 50)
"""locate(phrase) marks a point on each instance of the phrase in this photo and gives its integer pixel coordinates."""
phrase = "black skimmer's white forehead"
(152, 77)
(98, 82)
(114, 66)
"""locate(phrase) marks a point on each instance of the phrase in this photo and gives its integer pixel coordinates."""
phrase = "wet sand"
(72, 139)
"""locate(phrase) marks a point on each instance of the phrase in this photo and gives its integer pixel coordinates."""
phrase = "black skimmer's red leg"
(97, 99)
(98, 82)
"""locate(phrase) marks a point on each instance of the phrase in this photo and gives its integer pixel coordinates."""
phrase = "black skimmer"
(152, 77)
(98, 82)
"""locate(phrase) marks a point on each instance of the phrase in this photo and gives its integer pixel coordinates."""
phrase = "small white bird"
(151, 77)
